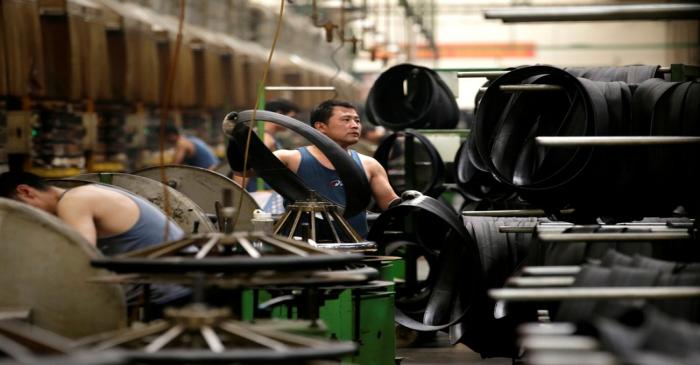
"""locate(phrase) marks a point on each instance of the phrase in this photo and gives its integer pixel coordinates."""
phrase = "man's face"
(343, 126)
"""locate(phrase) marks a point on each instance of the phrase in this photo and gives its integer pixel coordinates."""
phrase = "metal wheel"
(198, 334)
(205, 188)
(45, 266)
(226, 253)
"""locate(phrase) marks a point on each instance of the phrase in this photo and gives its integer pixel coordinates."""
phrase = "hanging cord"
(164, 114)
(260, 91)
(341, 35)
(337, 68)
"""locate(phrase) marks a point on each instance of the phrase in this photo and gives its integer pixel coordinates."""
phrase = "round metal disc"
(227, 253)
(184, 211)
(45, 267)
(269, 279)
(223, 264)
(205, 187)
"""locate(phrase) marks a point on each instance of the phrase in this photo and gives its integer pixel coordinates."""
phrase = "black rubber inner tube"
(433, 186)
(506, 125)
(596, 181)
(632, 74)
(475, 183)
(458, 278)
(426, 103)
(278, 176)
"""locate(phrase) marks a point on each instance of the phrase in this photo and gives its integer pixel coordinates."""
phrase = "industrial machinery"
(205, 188)
(46, 272)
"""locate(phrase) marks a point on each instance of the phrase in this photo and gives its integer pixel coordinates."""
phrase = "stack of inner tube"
(636, 271)
(614, 181)
(466, 258)
(474, 180)
(410, 96)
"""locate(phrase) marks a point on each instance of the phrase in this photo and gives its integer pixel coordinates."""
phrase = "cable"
(341, 35)
(261, 88)
(337, 68)
(167, 98)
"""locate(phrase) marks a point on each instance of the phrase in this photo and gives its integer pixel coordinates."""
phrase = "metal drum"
(45, 275)
(206, 188)
(184, 211)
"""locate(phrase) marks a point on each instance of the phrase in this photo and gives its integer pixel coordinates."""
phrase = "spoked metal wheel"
(28, 345)
(227, 253)
(199, 334)
(206, 188)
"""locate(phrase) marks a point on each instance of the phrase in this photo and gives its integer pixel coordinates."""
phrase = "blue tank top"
(326, 182)
(146, 232)
(203, 156)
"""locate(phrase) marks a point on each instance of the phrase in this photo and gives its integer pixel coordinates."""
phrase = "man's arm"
(290, 158)
(76, 211)
(269, 141)
(181, 150)
(379, 183)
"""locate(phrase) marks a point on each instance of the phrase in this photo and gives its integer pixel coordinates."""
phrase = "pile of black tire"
(404, 98)
(596, 181)
(501, 163)
(410, 96)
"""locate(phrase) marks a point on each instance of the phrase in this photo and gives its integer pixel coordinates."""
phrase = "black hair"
(323, 112)
(171, 129)
(282, 106)
(11, 179)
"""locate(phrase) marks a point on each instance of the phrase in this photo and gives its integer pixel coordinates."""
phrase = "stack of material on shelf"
(58, 140)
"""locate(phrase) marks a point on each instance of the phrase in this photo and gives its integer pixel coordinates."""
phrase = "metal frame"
(548, 294)
(330, 214)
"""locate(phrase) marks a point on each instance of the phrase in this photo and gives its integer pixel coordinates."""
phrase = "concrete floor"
(439, 351)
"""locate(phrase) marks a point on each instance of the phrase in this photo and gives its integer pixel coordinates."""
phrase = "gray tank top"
(146, 232)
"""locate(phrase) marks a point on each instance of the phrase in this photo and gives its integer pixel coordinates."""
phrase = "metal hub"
(197, 315)
(302, 220)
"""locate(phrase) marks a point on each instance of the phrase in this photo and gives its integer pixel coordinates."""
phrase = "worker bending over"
(190, 150)
(113, 220)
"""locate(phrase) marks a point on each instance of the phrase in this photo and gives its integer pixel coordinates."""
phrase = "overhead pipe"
(524, 14)
(546, 294)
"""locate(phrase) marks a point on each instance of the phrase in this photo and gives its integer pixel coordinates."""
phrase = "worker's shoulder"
(287, 154)
(368, 160)
(89, 191)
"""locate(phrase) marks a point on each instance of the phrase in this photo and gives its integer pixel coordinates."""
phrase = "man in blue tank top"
(340, 122)
(113, 220)
(190, 150)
